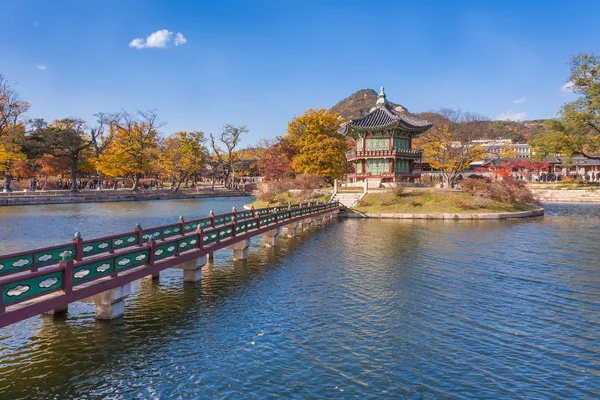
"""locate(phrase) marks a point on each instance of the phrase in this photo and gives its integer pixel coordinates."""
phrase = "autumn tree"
(132, 150)
(227, 158)
(275, 162)
(318, 147)
(577, 131)
(450, 147)
(12, 126)
(182, 154)
(67, 139)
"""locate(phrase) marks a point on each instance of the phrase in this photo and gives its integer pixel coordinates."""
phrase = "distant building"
(574, 166)
(383, 150)
(495, 147)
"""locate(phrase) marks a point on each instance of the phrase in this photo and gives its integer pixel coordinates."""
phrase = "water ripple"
(357, 309)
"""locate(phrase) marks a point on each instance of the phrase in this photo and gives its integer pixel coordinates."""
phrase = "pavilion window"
(359, 145)
(401, 143)
(377, 166)
(402, 166)
(378, 144)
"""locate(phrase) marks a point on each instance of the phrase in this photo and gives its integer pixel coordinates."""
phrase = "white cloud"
(41, 67)
(180, 39)
(567, 87)
(511, 116)
(159, 39)
(137, 43)
(520, 101)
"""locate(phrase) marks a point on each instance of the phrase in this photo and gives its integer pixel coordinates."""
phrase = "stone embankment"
(105, 196)
(443, 216)
(567, 196)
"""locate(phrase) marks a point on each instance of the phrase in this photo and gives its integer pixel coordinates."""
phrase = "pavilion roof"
(383, 116)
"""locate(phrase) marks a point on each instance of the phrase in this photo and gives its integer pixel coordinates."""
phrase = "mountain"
(360, 104)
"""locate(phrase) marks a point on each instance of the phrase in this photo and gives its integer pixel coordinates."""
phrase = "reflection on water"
(356, 309)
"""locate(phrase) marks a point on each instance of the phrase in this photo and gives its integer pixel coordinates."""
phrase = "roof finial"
(381, 99)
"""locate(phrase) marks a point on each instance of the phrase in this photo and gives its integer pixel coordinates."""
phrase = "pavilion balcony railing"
(366, 175)
(388, 153)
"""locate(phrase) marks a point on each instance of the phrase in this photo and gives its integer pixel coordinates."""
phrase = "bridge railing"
(30, 274)
(31, 261)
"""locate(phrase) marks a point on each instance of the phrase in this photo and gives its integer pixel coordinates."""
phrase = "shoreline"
(110, 197)
(538, 212)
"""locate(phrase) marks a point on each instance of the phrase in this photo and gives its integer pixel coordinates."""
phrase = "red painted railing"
(410, 153)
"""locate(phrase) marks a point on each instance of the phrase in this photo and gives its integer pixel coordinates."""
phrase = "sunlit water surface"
(356, 309)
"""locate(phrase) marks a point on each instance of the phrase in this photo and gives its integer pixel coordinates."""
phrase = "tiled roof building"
(383, 144)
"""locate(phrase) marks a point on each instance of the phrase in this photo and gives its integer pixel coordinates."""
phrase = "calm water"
(357, 309)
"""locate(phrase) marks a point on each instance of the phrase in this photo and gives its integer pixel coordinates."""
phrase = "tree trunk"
(74, 162)
(136, 182)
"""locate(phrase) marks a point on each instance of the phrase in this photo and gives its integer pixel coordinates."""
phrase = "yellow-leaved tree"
(451, 147)
(318, 147)
(132, 150)
(12, 128)
(182, 154)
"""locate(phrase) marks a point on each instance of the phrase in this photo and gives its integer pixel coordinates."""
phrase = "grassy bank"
(285, 198)
(433, 202)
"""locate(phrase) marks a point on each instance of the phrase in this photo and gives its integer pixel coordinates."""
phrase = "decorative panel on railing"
(267, 219)
(151, 235)
(16, 264)
(131, 259)
(244, 215)
(165, 250)
(93, 270)
(187, 243)
(31, 287)
(53, 255)
(171, 230)
(91, 247)
(124, 241)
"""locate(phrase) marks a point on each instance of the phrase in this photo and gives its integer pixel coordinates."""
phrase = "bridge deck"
(34, 283)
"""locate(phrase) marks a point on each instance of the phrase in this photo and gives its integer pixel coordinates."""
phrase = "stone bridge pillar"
(318, 219)
(110, 304)
(192, 270)
(270, 237)
(289, 230)
(240, 250)
(306, 223)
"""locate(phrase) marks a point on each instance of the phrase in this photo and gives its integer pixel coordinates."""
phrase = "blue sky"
(259, 63)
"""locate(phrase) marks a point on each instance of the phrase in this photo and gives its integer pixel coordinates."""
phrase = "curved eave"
(401, 124)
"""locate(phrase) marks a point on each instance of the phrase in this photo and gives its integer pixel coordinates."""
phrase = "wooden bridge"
(101, 270)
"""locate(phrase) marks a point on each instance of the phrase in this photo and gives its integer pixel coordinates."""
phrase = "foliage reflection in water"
(491, 309)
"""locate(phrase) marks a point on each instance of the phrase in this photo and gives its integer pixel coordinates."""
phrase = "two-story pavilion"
(383, 144)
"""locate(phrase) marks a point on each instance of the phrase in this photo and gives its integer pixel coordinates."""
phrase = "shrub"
(277, 191)
(399, 189)
(507, 190)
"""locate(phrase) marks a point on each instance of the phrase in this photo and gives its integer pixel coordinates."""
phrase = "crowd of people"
(550, 177)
